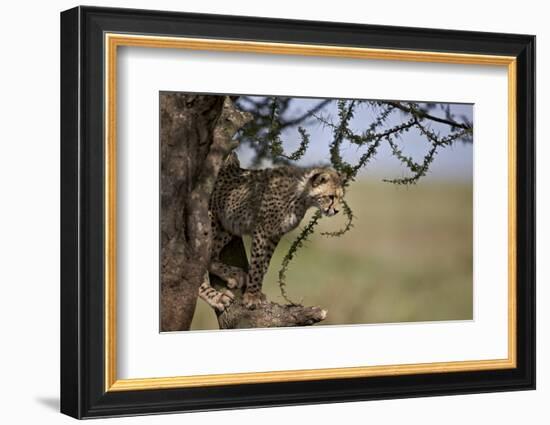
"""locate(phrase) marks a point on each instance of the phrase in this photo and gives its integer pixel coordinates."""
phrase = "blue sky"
(453, 163)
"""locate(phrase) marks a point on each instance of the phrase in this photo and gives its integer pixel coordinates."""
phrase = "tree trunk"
(196, 135)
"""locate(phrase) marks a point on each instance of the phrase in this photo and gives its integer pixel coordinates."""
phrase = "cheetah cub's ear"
(318, 178)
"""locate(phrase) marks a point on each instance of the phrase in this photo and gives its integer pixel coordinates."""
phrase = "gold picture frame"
(114, 41)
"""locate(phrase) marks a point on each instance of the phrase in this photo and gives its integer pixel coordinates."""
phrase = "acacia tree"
(199, 131)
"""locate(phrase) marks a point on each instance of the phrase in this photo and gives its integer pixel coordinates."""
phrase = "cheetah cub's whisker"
(265, 204)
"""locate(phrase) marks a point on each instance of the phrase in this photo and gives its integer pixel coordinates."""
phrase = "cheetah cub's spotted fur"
(265, 204)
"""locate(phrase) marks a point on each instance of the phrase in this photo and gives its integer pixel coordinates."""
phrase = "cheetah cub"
(265, 204)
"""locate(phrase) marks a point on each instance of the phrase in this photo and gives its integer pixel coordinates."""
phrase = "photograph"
(320, 211)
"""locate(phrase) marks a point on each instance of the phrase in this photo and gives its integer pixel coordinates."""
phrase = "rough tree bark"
(196, 135)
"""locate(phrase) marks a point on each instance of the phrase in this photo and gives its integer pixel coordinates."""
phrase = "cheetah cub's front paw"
(253, 299)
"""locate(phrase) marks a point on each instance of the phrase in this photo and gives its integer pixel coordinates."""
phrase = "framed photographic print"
(261, 212)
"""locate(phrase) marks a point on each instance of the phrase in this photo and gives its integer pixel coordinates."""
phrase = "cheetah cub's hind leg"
(235, 277)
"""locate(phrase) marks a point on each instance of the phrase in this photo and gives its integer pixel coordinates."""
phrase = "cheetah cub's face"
(326, 191)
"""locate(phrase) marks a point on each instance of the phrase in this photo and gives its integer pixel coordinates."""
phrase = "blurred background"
(408, 256)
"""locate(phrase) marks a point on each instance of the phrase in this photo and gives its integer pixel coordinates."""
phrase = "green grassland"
(407, 258)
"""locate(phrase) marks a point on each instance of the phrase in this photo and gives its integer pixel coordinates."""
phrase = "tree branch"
(422, 114)
(269, 315)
